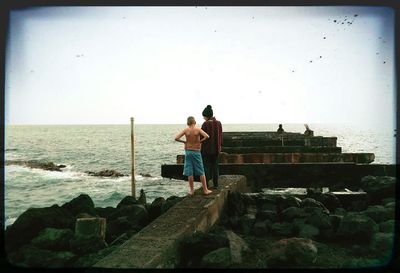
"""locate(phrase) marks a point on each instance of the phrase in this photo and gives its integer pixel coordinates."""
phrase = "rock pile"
(48, 237)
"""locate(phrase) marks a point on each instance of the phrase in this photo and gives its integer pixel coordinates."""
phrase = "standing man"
(211, 148)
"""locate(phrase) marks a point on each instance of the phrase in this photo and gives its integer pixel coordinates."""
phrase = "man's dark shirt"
(213, 128)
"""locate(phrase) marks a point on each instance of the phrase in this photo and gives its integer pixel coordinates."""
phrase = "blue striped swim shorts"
(193, 163)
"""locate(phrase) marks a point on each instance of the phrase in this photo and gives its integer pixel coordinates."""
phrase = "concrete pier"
(155, 246)
(302, 175)
(291, 158)
(280, 149)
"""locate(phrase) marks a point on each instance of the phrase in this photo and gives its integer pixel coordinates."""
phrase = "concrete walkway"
(155, 246)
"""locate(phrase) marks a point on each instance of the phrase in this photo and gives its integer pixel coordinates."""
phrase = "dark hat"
(208, 112)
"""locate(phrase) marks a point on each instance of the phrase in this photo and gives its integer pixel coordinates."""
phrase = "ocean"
(84, 148)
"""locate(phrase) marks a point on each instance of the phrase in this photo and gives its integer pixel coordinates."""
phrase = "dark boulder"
(267, 214)
(282, 229)
(262, 227)
(292, 252)
(236, 205)
(379, 213)
(106, 173)
(117, 227)
(266, 202)
(357, 228)
(312, 203)
(36, 257)
(170, 202)
(378, 188)
(90, 259)
(35, 164)
(308, 231)
(330, 201)
(318, 218)
(154, 209)
(32, 221)
(85, 244)
(53, 239)
(292, 212)
(219, 258)
(105, 212)
(193, 248)
(387, 226)
(136, 215)
(127, 201)
(247, 222)
(81, 204)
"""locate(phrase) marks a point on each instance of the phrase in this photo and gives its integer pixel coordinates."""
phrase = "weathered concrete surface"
(281, 149)
(291, 158)
(301, 175)
(155, 246)
(279, 141)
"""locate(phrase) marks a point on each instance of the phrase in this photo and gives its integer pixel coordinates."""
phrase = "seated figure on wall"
(308, 131)
(280, 129)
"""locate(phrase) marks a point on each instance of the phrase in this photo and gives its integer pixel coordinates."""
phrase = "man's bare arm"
(204, 135)
(178, 136)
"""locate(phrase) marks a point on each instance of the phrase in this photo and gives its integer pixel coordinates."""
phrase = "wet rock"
(267, 214)
(136, 215)
(362, 263)
(127, 201)
(32, 221)
(81, 204)
(36, 257)
(154, 209)
(378, 187)
(388, 200)
(357, 227)
(335, 221)
(266, 203)
(310, 202)
(85, 244)
(292, 212)
(382, 244)
(247, 222)
(261, 227)
(170, 202)
(292, 252)
(379, 213)
(357, 206)
(235, 204)
(308, 231)
(53, 239)
(90, 259)
(330, 201)
(292, 201)
(35, 164)
(91, 226)
(145, 174)
(105, 212)
(106, 173)
(237, 246)
(282, 229)
(219, 258)
(387, 226)
(340, 211)
(117, 227)
(193, 248)
(318, 218)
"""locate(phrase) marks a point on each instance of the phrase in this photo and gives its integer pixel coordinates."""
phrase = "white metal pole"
(133, 158)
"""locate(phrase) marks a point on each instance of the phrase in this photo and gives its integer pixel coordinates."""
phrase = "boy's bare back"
(192, 135)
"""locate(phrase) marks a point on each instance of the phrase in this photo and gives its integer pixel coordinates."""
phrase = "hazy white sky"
(103, 65)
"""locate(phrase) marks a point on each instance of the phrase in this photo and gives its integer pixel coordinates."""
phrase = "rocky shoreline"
(48, 237)
(317, 231)
(254, 231)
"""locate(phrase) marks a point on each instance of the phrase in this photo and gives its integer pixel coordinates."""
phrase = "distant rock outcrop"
(44, 165)
(106, 173)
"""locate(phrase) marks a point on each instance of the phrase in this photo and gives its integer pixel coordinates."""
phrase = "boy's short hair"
(190, 120)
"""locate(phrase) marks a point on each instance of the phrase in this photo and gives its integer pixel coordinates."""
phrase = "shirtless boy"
(193, 162)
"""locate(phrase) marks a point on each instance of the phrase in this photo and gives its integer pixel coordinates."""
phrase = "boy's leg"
(204, 183)
(191, 184)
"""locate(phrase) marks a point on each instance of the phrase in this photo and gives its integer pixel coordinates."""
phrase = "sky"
(103, 65)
